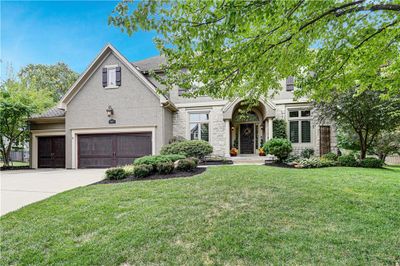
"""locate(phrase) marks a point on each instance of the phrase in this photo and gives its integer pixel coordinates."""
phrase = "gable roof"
(153, 63)
(105, 52)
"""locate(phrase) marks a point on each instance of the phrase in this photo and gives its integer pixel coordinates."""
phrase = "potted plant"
(234, 151)
(261, 151)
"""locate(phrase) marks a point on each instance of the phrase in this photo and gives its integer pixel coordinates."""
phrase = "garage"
(109, 150)
(51, 152)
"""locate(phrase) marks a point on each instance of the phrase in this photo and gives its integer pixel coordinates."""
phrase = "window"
(181, 91)
(290, 84)
(300, 126)
(111, 76)
(198, 124)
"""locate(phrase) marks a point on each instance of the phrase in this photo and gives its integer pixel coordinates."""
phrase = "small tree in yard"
(387, 143)
(281, 148)
(366, 113)
(17, 103)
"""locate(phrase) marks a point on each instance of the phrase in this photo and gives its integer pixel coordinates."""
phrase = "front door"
(325, 140)
(246, 138)
(51, 152)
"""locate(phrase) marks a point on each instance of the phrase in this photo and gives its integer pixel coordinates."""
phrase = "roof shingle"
(50, 113)
(152, 63)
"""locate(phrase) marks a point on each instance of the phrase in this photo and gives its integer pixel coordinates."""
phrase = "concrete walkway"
(22, 187)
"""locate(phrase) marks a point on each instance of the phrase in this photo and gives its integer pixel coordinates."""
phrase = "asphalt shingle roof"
(152, 63)
(49, 113)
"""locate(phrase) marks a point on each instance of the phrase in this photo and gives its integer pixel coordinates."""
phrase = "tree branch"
(376, 33)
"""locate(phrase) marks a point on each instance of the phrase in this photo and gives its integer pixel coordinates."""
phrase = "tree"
(56, 79)
(244, 48)
(387, 143)
(367, 114)
(17, 103)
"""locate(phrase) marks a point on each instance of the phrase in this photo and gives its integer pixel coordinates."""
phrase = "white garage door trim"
(41, 133)
(76, 132)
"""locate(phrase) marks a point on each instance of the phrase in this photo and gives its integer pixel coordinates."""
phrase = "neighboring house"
(113, 114)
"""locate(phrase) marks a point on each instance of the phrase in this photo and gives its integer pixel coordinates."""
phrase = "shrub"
(142, 170)
(279, 128)
(165, 168)
(128, 169)
(176, 139)
(330, 156)
(156, 159)
(348, 160)
(281, 148)
(186, 165)
(307, 153)
(189, 148)
(116, 173)
(371, 163)
(315, 163)
(292, 158)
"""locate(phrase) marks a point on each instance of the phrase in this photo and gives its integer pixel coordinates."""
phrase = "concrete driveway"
(22, 187)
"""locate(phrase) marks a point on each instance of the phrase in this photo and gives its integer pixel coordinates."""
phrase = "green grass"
(15, 164)
(232, 215)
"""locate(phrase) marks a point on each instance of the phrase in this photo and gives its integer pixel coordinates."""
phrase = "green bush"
(116, 173)
(189, 148)
(186, 165)
(315, 163)
(307, 153)
(153, 160)
(348, 160)
(279, 129)
(292, 158)
(330, 156)
(128, 169)
(281, 148)
(142, 170)
(371, 163)
(165, 168)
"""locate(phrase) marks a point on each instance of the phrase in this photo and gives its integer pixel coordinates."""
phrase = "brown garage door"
(108, 150)
(51, 152)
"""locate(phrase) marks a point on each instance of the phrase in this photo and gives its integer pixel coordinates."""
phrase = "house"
(113, 114)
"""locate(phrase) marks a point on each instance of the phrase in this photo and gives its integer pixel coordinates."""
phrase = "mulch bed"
(281, 165)
(7, 168)
(196, 171)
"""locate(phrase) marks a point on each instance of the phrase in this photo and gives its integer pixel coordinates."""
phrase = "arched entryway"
(248, 126)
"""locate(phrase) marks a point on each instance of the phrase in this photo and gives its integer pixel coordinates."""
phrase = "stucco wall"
(133, 103)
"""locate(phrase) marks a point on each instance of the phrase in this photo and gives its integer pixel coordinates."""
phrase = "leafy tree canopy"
(244, 48)
(56, 79)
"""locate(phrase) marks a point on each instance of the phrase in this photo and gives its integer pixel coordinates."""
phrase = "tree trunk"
(6, 155)
(363, 145)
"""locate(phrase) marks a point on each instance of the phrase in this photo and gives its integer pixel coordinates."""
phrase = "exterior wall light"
(109, 111)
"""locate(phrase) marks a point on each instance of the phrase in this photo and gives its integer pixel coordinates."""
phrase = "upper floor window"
(300, 126)
(199, 126)
(290, 84)
(111, 76)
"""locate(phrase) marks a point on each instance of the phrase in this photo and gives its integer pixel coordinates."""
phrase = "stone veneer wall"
(216, 126)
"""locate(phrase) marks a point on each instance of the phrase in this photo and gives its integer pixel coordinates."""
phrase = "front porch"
(247, 128)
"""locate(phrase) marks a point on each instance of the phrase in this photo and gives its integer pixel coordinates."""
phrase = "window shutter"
(294, 131)
(305, 131)
(290, 84)
(118, 76)
(104, 77)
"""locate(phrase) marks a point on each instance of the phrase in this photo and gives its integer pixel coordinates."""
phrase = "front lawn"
(234, 215)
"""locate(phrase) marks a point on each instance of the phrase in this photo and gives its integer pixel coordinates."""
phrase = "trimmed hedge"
(371, 163)
(348, 160)
(315, 163)
(157, 159)
(165, 168)
(142, 170)
(189, 148)
(330, 156)
(129, 169)
(186, 165)
(281, 148)
(116, 173)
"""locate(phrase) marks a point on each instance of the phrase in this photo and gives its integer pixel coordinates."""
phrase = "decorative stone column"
(227, 138)
(270, 128)
(266, 126)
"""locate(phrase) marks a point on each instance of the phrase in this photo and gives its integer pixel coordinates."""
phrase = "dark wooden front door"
(246, 138)
(324, 140)
(109, 150)
(51, 152)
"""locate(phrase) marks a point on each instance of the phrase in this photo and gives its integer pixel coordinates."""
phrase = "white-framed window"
(199, 126)
(111, 76)
(300, 126)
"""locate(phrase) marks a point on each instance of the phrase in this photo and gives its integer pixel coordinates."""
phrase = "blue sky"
(68, 31)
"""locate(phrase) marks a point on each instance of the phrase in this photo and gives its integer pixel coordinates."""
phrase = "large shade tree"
(244, 48)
